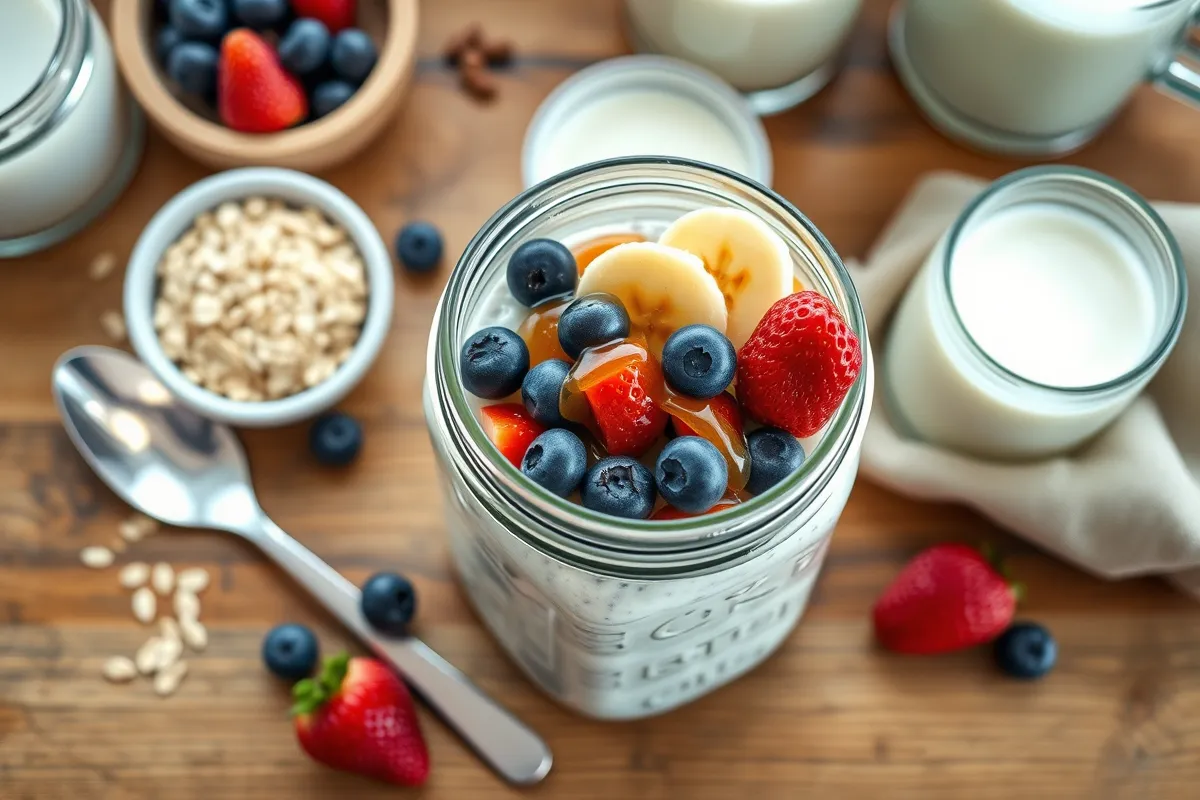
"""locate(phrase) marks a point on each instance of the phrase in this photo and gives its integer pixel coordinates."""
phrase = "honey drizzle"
(592, 249)
(540, 331)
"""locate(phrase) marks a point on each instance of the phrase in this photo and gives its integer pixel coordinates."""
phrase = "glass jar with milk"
(1037, 77)
(70, 137)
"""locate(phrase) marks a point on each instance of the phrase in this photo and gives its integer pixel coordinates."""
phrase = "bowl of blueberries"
(303, 84)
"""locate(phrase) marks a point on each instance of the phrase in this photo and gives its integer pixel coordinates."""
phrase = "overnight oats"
(647, 386)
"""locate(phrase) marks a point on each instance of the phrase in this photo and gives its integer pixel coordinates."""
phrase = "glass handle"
(1181, 78)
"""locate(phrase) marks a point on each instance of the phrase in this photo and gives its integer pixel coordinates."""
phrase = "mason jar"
(618, 618)
(70, 138)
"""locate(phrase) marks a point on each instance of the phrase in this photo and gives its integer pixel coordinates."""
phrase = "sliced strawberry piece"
(726, 407)
(255, 94)
(511, 429)
(628, 420)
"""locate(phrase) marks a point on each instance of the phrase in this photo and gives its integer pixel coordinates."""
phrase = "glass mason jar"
(620, 618)
(941, 386)
(70, 144)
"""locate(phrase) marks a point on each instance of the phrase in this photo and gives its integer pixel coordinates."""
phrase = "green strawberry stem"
(992, 556)
(312, 693)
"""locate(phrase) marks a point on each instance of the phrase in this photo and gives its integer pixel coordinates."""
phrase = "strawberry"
(511, 429)
(255, 94)
(357, 716)
(336, 14)
(628, 420)
(725, 406)
(947, 598)
(797, 366)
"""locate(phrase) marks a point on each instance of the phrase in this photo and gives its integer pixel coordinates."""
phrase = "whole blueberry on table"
(335, 439)
(619, 486)
(328, 96)
(199, 19)
(166, 39)
(353, 55)
(1026, 651)
(389, 602)
(260, 14)
(691, 474)
(419, 246)
(193, 65)
(540, 269)
(304, 48)
(290, 651)
(493, 363)
(698, 361)
(592, 320)
(774, 454)
(556, 460)
(541, 390)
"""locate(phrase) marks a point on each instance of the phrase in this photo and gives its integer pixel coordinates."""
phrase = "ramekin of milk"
(1037, 77)
(1040, 315)
(70, 138)
(779, 52)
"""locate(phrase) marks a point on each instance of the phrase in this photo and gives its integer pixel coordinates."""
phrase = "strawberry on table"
(628, 420)
(255, 93)
(511, 429)
(336, 14)
(357, 716)
(797, 366)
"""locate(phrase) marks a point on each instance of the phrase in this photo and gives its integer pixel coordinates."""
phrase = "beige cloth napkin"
(1127, 503)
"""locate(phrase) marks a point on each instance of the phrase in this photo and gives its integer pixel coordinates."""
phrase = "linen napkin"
(1125, 504)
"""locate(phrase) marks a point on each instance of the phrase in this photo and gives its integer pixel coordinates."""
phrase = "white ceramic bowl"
(177, 216)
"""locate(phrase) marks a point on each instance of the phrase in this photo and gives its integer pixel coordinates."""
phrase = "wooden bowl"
(309, 147)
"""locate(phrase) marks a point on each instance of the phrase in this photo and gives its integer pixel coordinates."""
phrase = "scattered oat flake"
(102, 266)
(119, 669)
(187, 606)
(148, 656)
(195, 635)
(134, 575)
(137, 527)
(145, 605)
(162, 578)
(169, 630)
(96, 557)
(168, 679)
(193, 580)
(113, 324)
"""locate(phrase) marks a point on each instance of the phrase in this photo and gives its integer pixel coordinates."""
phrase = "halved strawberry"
(628, 420)
(511, 429)
(255, 94)
(726, 407)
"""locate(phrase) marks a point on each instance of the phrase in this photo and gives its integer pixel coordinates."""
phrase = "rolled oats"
(96, 557)
(145, 605)
(119, 669)
(168, 679)
(102, 266)
(135, 575)
(162, 578)
(114, 325)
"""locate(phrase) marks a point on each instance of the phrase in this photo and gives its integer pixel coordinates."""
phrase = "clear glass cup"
(942, 387)
(1038, 77)
(619, 618)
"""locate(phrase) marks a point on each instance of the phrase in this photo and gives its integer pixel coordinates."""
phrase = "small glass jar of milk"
(70, 137)
(1037, 77)
(779, 52)
(1042, 313)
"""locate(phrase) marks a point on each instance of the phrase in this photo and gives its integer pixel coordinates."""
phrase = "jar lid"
(644, 106)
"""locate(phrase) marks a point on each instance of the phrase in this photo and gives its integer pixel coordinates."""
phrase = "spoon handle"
(505, 743)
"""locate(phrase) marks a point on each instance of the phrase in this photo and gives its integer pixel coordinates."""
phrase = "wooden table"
(828, 717)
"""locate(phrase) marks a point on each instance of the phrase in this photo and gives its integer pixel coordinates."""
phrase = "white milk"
(1039, 67)
(28, 34)
(752, 44)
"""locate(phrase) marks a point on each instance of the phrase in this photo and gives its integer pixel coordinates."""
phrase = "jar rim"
(665, 537)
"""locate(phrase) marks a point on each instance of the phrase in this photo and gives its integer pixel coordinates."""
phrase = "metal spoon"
(182, 469)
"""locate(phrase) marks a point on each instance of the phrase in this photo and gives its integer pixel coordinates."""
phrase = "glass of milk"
(779, 52)
(1037, 77)
(1042, 313)
(70, 138)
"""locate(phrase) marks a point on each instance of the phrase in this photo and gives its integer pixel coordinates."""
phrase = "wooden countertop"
(828, 717)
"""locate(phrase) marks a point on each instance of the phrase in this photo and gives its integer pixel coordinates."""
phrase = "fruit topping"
(305, 47)
(798, 365)
(199, 19)
(698, 361)
(619, 486)
(587, 252)
(591, 320)
(691, 474)
(353, 55)
(389, 602)
(662, 289)
(418, 245)
(290, 651)
(511, 429)
(556, 461)
(540, 269)
(335, 439)
(718, 421)
(670, 512)
(774, 454)
(541, 390)
(724, 406)
(255, 94)
(166, 40)
(540, 331)
(493, 363)
(1026, 651)
(193, 65)
(336, 14)
(329, 96)
(260, 14)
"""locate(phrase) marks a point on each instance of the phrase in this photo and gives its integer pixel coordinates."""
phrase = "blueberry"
(193, 65)
(335, 439)
(592, 320)
(290, 651)
(353, 55)
(774, 454)
(556, 460)
(541, 269)
(389, 602)
(419, 246)
(699, 361)
(305, 46)
(691, 474)
(493, 363)
(199, 19)
(328, 96)
(166, 39)
(260, 14)
(1026, 651)
(619, 486)
(541, 389)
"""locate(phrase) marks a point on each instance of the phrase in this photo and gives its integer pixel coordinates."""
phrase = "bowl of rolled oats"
(259, 296)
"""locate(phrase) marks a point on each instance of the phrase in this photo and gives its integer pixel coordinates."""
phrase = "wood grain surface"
(828, 717)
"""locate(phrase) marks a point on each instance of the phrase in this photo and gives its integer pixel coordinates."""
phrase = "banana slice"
(663, 289)
(749, 261)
